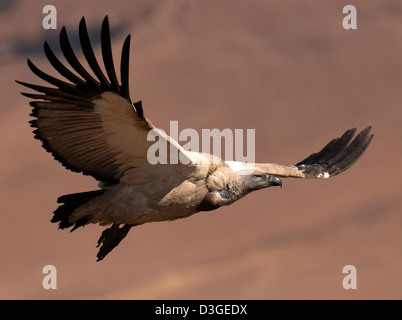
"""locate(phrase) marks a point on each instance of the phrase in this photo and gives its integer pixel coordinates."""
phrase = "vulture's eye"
(258, 177)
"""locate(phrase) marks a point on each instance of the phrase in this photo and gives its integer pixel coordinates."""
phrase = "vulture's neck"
(224, 188)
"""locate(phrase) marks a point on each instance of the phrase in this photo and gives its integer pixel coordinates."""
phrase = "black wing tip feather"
(91, 58)
(105, 22)
(338, 155)
(107, 55)
(124, 68)
(87, 86)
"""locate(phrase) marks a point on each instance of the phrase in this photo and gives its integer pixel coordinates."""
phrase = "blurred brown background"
(287, 69)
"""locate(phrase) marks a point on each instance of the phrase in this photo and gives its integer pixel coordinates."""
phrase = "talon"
(108, 233)
(110, 238)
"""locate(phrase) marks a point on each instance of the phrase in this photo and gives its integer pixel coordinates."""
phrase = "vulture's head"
(226, 186)
(244, 182)
(258, 180)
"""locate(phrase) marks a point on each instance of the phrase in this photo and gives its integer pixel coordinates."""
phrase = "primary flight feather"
(90, 125)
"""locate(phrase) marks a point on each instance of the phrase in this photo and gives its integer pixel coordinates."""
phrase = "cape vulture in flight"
(90, 125)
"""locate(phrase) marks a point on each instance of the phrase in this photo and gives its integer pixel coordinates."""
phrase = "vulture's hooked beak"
(274, 181)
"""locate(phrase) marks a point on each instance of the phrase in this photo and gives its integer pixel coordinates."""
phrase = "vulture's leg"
(110, 238)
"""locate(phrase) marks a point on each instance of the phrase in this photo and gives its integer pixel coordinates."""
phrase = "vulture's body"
(91, 126)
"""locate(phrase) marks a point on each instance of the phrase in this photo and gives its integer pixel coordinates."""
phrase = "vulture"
(88, 123)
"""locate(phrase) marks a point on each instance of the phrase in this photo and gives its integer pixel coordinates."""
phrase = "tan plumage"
(91, 126)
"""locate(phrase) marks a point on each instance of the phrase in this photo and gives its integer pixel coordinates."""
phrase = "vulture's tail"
(70, 202)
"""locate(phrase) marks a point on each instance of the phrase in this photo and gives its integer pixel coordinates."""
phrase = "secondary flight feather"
(90, 125)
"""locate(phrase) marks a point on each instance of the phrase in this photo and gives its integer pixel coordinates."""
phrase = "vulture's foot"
(110, 238)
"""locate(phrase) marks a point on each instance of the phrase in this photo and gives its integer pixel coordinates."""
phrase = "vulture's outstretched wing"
(337, 156)
(89, 123)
